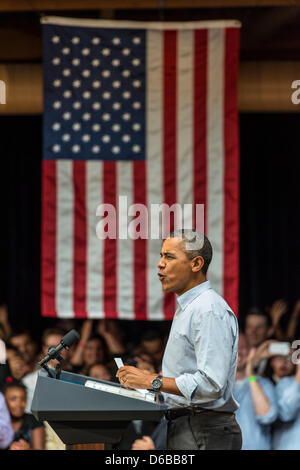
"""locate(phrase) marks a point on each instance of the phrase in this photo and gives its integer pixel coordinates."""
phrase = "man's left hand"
(131, 377)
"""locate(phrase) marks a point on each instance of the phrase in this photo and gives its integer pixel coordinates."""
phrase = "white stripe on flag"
(185, 123)
(125, 255)
(154, 102)
(215, 154)
(65, 239)
(94, 189)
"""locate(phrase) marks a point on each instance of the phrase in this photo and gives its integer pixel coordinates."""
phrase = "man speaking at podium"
(200, 358)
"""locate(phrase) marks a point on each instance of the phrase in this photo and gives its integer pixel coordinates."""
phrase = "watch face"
(156, 384)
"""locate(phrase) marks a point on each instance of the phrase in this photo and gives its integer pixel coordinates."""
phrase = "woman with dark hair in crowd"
(29, 434)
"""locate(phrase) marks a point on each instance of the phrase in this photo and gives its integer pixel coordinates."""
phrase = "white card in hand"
(119, 362)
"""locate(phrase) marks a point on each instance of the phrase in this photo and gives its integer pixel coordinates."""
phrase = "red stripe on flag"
(80, 240)
(231, 173)
(48, 265)
(110, 244)
(169, 137)
(200, 121)
(140, 245)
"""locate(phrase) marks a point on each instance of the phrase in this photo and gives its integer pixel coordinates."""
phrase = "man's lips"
(161, 276)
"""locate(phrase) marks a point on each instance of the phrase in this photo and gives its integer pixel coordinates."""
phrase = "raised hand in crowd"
(4, 322)
(277, 310)
(291, 329)
(260, 401)
(110, 331)
(86, 330)
(261, 352)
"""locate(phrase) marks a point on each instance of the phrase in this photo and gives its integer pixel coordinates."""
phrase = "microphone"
(67, 341)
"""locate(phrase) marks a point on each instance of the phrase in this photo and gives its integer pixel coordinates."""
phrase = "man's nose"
(160, 264)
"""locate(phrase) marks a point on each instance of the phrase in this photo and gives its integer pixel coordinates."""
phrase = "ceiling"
(268, 33)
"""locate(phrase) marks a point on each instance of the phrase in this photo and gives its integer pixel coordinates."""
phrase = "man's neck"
(191, 285)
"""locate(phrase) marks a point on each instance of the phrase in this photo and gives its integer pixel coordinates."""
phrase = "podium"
(82, 415)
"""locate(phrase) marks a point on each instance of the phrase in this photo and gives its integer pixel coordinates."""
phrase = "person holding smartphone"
(286, 374)
(256, 396)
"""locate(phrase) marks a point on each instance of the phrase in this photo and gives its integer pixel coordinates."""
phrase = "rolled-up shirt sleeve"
(6, 430)
(213, 342)
(288, 397)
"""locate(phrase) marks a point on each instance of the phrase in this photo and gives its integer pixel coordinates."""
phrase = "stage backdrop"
(142, 110)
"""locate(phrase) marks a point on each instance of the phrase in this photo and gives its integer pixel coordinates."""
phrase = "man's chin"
(165, 287)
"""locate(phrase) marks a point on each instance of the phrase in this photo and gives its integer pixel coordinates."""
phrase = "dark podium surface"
(79, 414)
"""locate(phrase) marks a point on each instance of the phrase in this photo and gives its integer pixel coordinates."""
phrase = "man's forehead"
(24, 337)
(256, 319)
(172, 245)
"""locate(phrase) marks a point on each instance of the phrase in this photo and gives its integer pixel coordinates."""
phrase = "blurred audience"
(152, 344)
(99, 371)
(90, 352)
(256, 397)
(267, 385)
(258, 327)
(5, 328)
(51, 338)
(29, 434)
(286, 375)
(27, 348)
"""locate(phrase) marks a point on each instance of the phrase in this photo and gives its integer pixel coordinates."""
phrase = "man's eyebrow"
(168, 253)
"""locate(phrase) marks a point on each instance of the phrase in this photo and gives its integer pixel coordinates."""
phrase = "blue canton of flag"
(94, 93)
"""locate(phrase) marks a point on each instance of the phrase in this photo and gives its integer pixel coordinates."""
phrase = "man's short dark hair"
(260, 313)
(16, 333)
(196, 244)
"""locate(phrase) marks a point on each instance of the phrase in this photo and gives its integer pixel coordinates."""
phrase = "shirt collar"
(185, 299)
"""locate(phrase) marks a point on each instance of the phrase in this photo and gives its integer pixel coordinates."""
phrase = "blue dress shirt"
(256, 429)
(201, 353)
(286, 432)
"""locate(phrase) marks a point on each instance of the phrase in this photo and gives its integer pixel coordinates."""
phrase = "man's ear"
(197, 264)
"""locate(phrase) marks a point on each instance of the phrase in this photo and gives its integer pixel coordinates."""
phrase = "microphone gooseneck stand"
(58, 366)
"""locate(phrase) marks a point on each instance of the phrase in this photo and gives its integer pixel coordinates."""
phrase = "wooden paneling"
(266, 86)
(263, 87)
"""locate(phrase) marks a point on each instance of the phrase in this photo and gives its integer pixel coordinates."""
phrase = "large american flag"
(147, 111)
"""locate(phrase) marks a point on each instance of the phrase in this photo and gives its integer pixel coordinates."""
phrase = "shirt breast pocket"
(182, 344)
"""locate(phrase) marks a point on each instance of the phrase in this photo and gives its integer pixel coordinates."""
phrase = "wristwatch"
(157, 383)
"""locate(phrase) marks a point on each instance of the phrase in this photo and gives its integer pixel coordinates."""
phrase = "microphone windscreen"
(70, 338)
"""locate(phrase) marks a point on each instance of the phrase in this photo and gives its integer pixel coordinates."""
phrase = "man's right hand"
(145, 443)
